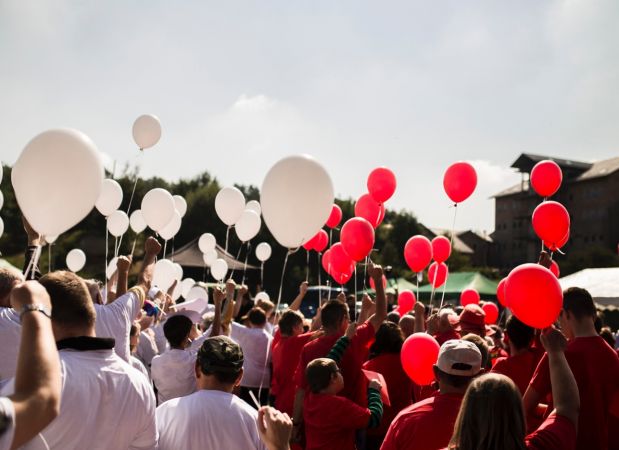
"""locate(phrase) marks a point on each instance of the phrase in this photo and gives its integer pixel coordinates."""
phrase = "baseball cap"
(220, 354)
(458, 357)
(472, 318)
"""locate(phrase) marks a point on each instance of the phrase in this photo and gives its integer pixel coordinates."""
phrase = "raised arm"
(376, 272)
(123, 264)
(152, 247)
(218, 298)
(239, 300)
(420, 317)
(34, 241)
(368, 307)
(296, 303)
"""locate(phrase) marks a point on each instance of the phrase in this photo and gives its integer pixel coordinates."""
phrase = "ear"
(237, 382)
(198, 370)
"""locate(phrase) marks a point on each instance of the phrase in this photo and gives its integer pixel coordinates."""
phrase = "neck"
(61, 333)
(331, 332)
(445, 388)
(5, 302)
(514, 351)
(210, 383)
(584, 328)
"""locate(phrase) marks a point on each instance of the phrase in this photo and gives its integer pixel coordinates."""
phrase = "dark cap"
(220, 354)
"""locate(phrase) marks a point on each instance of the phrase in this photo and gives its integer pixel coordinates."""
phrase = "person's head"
(518, 334)
(8, 279)
(291, 323)
(257, 317)
(334, 315)
(73, 313)
(607, 334)
(134, 336)
(578, 311)
(491, 416)
(207, 321)
(267, 306)
(459, 361)
(407, 325)
(176, 330)
(94, 289)
(389, 339)
(324, 376)
(393, 317)
(472, 320)
(482, 346)
(219, 364)
(447, 317)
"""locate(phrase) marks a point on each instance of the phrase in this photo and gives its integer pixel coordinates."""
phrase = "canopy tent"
(602, 284)
(190, 256)
(459, 281)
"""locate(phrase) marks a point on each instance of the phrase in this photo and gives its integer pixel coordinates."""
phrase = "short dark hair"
(71, 303)
(176, 329)
(518, 333)
(319, 372)
(288, 321)
(482, 346)
(457, 381)
(221, 357)
(394, 317)
(578, 302)
(257, 316)
(607, 335)
(333, 312)
(8, 278)
(389, 339)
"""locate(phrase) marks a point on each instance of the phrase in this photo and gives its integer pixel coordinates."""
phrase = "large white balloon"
(248, 225)
(170, 230)
(177, 292)
(229, 205)
(210, 257)
(110, 198)
(158, 208)
(118, 223)
(254, 205)
(57, 180)
(296, 199)
(263, 251)
(164, 274)
(136, 221)
(219, 269)
(146, 131)
(187, 284)
(206, 242)
(76, 259)
(196, 292)
(180, 204)
(51, 239)
(262, 296)
(198, 304)
(111, 268)
(179, 272)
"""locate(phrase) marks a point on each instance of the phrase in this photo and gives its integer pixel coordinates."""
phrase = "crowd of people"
(88, 366)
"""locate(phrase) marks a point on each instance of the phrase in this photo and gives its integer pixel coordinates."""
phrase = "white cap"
(458, 357)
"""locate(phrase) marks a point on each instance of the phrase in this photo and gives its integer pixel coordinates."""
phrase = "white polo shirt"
(147, 349)
(208, 420)
(114, 321)
(10, 337)
(7, 423)
(254, 342)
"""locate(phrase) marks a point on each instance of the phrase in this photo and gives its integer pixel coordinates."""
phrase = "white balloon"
(180, 204)
(296, 199)
(179, 272)
(1, 172)
(170, 230)
(210, 257)
(57, 180)
(254, 205)
(196, 292)
(198, 305)
(207, 242)
(164, 274)
(1, 226)
(219, 269)
(1, 195)
(110, 198)
(262, 296)
(229, 205)
(248, 225)
(146, 131)
(118, 223)
(111, 267)
(136, 221)
(263, 251)
(158, 208)
(76, 259)
(176, 293)
(187, 284)
(51, 239)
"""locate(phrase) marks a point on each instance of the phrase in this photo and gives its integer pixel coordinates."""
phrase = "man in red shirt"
(428, 424)
(595, 366)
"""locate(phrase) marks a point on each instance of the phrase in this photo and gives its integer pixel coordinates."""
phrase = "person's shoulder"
(500, 364)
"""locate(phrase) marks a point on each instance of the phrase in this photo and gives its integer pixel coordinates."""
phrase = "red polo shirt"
(519, 368)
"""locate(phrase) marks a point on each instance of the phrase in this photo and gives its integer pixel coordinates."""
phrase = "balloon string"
(106, 256)
(417, 276)
(135, 183)
(133, 246)
(262, 273)
(165, 248)
(319, 278)
(245, 264)
(32, 264)
(49, 258)
(238, 255)
(453, 231)
(330, 236)
(354, 309)
(227, 235)
(307, 266)
(365, 271)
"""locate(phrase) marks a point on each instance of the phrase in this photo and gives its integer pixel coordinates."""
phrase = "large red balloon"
(419, 354)
(437, 274)
(335, 217)
(381, 184)
(534, 295)
(554, 268)
(373, 283)
(357, 238)
(469, 297)
(441, 249)
(418, 253)
(551, 222)
(341, 277)
(309, 245)
(340, 260)
(322, 240)
(382, 215)
(459, 181)
(326, 261)
(406, 301)
(369, 209)
(492, 313)
(546, 178)
(554, 247)
(500, 292)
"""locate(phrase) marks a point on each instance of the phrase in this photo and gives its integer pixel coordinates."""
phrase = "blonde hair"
(491, 416)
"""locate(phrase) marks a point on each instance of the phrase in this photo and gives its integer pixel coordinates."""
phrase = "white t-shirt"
(7, 423)
(10, 337)
(208, 420)
(147, 349)
(114, 321)
(160, 340)
(254, 342)
(137, 364)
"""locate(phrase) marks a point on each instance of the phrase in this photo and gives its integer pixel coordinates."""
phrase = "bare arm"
(296, 303)
(376, 272)
(275, 428)
(368, 307)
(420, 318)
(218, 298)
(152, 247)
(123, 264)
(297, 413)
(239, 300)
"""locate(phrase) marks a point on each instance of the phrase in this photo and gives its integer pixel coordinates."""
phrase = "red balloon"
(551, 222)
(335, 217)
(406, 301)
(309, 245)
(381, 184)
(546, 178)
(437, 274)
(554, 268)
(469, 296)
(357, 238)
(460, 181)
(382, 214)
(373, 283)
(369, 209)
(340, 260)
(419, 354)
(555, 247)
(418, 253)
(492, 313)
(341, 277)
(441, 249)
(500, 292)
(534, 295)
(322, 240)
(326, 261)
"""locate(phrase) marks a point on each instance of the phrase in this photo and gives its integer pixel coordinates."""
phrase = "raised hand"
(376, 273)
(303, 288)
(152, 247)
(275, 428)
(123, 264)
(351, 330)
(375, 384)
(553, 340)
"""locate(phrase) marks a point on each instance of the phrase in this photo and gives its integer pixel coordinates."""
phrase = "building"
(478, 247)
(590, 192)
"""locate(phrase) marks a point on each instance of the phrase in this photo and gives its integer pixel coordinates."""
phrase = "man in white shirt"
(10, 328)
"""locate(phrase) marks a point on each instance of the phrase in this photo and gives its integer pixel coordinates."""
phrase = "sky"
(411, 85)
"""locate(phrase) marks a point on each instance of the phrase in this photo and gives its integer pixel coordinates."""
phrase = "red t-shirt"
(557, 432)
(519, 368)
(399, 388)
(441, 338)
(351, 363)
(596, 368)
(330, 421)
(426, 425)
(285, 357)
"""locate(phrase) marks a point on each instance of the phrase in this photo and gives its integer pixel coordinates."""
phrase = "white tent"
(602, 284)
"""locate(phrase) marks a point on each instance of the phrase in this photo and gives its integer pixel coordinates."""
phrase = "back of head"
(579, 303)
(481, 345)
(407, 325)
(266, 305)
(472, 320)
(289, 320)
(319, 372)
(257, 316)
(332, 314)
(458, 362)
(394, 317)
(71, 303)
(8, 279)
(176, 330)
(222, 357)
(518, 333)
(389, 339)
(491, 416)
